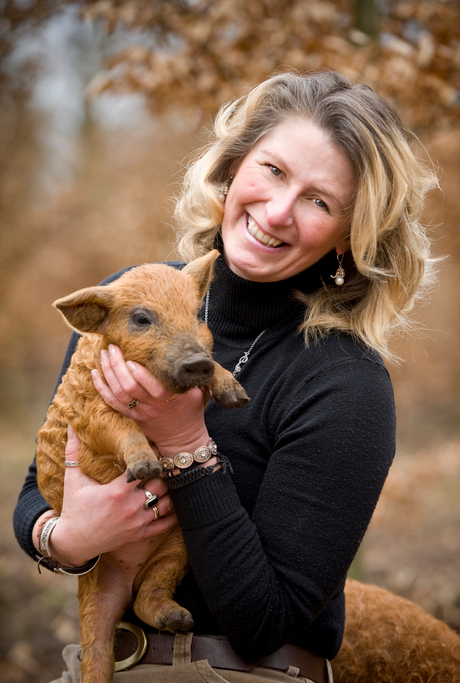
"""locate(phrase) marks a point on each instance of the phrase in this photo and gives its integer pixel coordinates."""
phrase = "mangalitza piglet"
(150, 312)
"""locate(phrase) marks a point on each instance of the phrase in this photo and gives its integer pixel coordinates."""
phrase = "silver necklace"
(245, 357)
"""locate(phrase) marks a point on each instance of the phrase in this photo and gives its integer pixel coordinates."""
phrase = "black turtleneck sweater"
(270, 545)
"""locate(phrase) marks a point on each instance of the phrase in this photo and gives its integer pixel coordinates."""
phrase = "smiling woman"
(360, 143)
(288, 204)
(304, 171)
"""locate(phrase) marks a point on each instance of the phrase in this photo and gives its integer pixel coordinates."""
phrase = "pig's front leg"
(124, 438)
(226, 389)
(141, 462)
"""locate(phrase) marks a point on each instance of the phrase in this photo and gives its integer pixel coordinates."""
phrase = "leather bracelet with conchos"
(54, 566)
(184, 460)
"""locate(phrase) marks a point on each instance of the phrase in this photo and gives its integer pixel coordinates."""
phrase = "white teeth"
(261, 236)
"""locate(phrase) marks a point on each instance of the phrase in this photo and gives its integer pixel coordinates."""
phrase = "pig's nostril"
(198, 365)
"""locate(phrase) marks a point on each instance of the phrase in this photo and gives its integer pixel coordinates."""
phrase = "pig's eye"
(141, 319)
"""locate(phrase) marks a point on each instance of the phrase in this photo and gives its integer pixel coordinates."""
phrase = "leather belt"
(133, 646)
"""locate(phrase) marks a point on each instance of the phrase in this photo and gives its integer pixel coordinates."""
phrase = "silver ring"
(71, 463)
(151, 500)
(156, 512)
(133, 403)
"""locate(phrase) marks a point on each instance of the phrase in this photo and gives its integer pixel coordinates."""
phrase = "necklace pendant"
(243, 359)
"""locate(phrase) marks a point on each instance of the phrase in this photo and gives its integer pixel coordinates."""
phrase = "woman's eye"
(321, 204)
(276, 171)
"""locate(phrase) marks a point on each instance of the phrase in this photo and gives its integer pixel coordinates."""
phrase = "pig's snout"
(195, 370)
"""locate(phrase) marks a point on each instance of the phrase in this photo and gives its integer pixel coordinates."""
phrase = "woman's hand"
(97, 518)
(173, 422)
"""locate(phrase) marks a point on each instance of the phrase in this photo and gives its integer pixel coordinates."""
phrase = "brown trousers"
(183, 670)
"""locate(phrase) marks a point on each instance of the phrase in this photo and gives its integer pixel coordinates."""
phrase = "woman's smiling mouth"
(259, 235)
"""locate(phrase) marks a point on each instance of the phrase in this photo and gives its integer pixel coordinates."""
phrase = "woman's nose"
(280, 209)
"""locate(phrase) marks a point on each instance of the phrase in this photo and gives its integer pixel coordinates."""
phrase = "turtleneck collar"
(239, 307)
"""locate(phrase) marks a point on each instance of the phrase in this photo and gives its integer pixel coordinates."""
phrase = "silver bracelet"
(184, 460)
(50, 563)
(45, 535)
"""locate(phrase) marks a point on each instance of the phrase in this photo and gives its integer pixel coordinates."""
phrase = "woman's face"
(289, 203)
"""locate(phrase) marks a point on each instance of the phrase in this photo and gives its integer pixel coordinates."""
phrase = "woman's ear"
(343, 246)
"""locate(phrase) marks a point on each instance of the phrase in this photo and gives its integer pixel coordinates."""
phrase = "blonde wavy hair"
(389, 265)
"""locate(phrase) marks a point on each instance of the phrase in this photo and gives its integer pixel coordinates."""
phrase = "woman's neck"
(239, 307)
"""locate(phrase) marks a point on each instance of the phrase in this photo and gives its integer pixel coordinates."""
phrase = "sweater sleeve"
(267, 577)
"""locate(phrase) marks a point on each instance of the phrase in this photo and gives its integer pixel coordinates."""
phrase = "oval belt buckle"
(142, 643)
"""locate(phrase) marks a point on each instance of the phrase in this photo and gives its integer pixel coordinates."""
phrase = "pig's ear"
(201, 270)
(86, 310)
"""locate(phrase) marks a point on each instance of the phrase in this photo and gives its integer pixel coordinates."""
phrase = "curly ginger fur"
(151, 313)
(389, 639)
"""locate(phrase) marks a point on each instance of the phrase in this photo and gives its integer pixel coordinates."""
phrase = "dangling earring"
(223, 192)
(339, 276)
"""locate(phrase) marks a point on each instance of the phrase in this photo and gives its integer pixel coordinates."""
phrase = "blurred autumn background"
(100, 102)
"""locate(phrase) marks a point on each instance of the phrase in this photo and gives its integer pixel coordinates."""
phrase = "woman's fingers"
(72, 448)
(156, 487)
(74, 477)
(167, 517)
(124, 384)
(164, 504)
(119, 379)
(159, 526)
(107, 394)
(99, 518)
(170, 421)
(124, 381)
(148, 382)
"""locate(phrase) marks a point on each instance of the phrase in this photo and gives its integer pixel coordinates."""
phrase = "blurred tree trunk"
(367, 15)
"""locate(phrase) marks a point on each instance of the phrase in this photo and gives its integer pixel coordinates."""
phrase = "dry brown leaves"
(209, 51)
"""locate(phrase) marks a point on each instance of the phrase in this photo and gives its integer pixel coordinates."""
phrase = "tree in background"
(208, 51)
(110, 209)
(200, 53)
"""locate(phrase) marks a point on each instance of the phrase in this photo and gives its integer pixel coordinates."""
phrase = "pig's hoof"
(144, 470)
(233, 397)
(175, 621)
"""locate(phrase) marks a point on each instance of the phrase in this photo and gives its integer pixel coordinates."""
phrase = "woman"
(312, 195)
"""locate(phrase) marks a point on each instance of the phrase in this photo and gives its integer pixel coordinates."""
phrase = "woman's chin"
(254, 261)
(254, 272)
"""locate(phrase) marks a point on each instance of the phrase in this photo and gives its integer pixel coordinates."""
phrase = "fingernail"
(103, 354)
(70, 433)
(111, 349)
(94, 375)
(131, 366)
